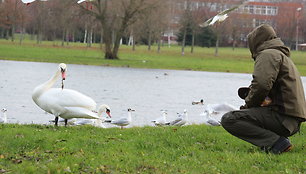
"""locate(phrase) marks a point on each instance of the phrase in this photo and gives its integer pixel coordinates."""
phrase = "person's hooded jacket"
(275, 75)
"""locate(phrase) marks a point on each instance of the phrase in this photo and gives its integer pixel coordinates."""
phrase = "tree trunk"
(217, 45)
(158, 47)
(183, 42)
(101, 40)
(1, 33)
(158, 44)
(67, 37)
(85, 34)
(134, 45)
(149, 40)
(234, 44)
(169, 40)
(108, 43)
(192, 42)
(63, 37)
(21, 36)
(13, 33)
(7, 34)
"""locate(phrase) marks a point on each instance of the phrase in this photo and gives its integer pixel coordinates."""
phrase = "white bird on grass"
(161, 121)
(210, 121)
(220, 17)
(3, 118)
(124, 121)
(181, 120)
(65, 103)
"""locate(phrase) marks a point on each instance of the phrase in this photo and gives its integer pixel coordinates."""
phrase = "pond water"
(148, 91)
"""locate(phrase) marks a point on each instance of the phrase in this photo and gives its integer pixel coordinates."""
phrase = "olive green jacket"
(275, 75)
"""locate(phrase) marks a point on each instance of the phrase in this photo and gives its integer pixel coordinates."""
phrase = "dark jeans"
(261, 126)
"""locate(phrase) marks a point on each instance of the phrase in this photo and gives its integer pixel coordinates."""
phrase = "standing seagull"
(161, 121)
(220, 17)
(124, 121)
(3, 119)
(181, 120)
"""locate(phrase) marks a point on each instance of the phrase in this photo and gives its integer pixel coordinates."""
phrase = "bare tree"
(115, 17)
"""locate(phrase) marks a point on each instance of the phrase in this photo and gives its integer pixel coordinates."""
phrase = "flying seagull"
(220, 17)
(88, 3)
(30, 1)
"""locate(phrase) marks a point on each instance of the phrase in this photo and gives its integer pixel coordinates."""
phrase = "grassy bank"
(190, 149)
(202, 59)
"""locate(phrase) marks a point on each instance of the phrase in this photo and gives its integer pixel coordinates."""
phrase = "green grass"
(202, 59)
(190, 149)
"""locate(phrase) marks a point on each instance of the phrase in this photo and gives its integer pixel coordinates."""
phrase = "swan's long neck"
(45, 86)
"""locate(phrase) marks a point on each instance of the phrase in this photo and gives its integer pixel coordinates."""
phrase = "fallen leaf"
(16, 161)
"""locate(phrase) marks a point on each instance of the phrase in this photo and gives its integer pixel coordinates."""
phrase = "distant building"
(283, 15)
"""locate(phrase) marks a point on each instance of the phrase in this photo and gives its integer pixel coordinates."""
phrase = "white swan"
(161, 121)
(3, 119)
(124, 121)
(65, 103)
(181, 120)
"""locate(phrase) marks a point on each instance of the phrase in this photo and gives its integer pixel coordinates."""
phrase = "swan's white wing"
(56, 97)
(78, 112)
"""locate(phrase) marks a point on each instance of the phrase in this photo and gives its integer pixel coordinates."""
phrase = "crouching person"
(269, 124)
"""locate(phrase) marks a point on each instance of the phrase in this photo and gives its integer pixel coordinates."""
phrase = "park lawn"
(188, 149)
(203, 59)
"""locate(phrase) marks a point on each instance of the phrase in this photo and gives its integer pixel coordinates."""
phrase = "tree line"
(115, 22)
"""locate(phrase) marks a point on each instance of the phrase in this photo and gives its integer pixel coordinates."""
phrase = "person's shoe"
(281, 145)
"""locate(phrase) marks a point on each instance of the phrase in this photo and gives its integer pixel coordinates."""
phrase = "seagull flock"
(71, 107)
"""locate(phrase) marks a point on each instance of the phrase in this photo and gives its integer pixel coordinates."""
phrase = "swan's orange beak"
(108, 113)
